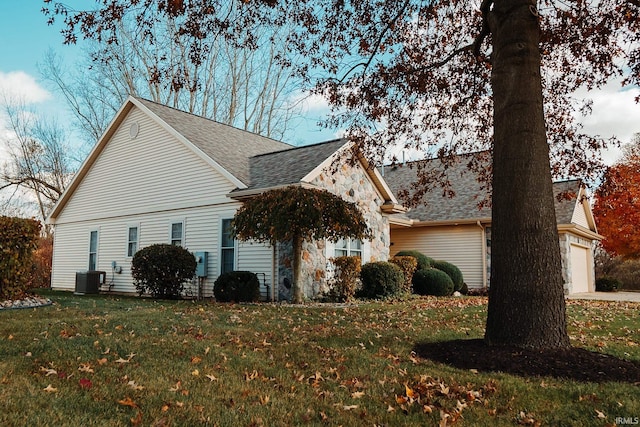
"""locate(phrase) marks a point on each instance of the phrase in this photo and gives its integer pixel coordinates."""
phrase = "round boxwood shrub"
(161, 270)
(237, 286)
(432, 282)
(424, 261)
(380, 280)
(452, 271)
(607, 284)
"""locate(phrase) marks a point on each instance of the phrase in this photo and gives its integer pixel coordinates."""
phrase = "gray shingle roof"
(289, 166)
(231, 148)
(464, 206)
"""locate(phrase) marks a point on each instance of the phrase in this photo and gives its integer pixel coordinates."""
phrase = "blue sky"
(25, 37)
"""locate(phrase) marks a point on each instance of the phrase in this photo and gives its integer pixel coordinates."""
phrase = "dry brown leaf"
(137, 420)
(50, 389)
(176, 387)
(211, 377)
(127, 402)
(357, 394)
(85, 367)
(349, 407)
(102, 361)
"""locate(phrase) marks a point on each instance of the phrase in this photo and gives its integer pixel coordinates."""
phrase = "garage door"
(579, 269)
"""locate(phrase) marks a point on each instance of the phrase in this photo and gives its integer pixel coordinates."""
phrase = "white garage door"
(579, 269)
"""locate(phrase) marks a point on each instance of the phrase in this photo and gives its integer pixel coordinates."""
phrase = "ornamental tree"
(298, 214)
(449, 77)
(617, 205)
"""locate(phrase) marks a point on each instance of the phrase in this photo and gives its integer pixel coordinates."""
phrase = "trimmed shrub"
(408, 265)
(607, 284)
(432, 282)
(380, 280)
(237, 286)
(464, 290)
(18, 240)
(343, 286)
(424, 261)
(452, 271)
(161, 270)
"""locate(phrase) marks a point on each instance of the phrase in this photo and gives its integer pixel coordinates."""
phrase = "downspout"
(484, 254)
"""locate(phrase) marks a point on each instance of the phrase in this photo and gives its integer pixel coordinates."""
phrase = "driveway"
(608, 296)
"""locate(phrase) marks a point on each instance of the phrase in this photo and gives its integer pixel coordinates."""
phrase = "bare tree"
(249, 86)
(39, 164)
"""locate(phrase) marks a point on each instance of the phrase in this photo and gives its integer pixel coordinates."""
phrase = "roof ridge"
(298, 147)
(211, 120)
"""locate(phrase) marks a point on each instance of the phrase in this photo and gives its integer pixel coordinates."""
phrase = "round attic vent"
(134, 129)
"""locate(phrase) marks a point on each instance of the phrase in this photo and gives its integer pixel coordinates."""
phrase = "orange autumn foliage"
(617, 209)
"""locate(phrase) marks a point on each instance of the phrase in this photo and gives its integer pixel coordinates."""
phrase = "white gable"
(145, 171)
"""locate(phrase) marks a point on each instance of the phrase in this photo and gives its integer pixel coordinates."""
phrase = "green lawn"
(98, 360)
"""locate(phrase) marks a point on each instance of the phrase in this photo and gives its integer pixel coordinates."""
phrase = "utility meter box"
(202, 263)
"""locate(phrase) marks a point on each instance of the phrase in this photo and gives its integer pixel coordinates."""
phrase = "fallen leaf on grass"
(137, 420)
(102, 361)
(211, 377)
(349, 407)
(135, 386)
(128, 402)
(85, 383)
(50, 389)
(85, 367)
(121, 360)
(176, 387)
(48, 371)
(600, 414)
(357, 394)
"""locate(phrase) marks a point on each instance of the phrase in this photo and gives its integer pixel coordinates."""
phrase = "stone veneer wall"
(352, 184)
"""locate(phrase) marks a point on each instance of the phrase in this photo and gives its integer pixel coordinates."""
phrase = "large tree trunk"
(526, 299)
(298, 293)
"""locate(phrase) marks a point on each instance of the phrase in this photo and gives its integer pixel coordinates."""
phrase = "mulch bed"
(574, 363)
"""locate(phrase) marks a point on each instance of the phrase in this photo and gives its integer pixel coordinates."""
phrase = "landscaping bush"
(161, 270)
(380, 280)
(432, 282)
(452, 271)
(18, 240)
(408, 265)
(344, 284)
(237, 286)
(424, 261)
(464, 290)
(607, 284)
(40, 272)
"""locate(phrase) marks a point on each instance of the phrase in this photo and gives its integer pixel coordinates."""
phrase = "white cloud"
(21, 86)
(615, 113)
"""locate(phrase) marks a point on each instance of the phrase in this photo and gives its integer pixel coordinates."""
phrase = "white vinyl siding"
(461, 245)
(121, 181)
(580, 216)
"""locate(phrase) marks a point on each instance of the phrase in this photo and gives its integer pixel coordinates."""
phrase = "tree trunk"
(526, 298)
(298, 294)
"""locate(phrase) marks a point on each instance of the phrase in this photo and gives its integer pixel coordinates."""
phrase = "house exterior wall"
(148, 181)
(567, 241)
(352, 184)
(580, 216)
(462, 245)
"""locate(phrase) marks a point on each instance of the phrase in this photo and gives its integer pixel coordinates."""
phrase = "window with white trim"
(349, 247)
(177, 232)
(132, 241)
(93, 249)
(227, 247)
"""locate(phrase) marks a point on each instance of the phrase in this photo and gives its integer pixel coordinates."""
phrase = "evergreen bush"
(381, 280)
(424, 261)
(432, 282)
(607, 284)
(237, 286)
(162, 269)
(452, 271)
